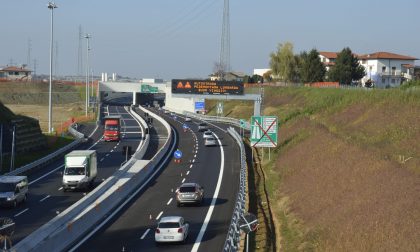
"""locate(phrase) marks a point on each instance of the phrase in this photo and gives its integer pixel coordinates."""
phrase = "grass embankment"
(345, 176)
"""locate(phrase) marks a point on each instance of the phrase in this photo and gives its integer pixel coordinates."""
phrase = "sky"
(182, 38)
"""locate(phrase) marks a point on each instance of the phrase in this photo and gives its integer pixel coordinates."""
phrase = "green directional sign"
(149, 89)
(264, 131)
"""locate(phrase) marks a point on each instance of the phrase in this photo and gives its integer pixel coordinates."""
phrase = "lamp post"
(51, 6)
(87, 37)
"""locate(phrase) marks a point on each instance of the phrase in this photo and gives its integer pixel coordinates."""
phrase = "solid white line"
(213, 201)
(145, 233)
(43, 176)
(169, 202)
(16, 215)
(160, 214)
(61, 188)
(183, 180)
(46, 197)
(188, 172)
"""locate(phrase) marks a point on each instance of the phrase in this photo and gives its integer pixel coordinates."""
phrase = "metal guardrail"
(228, 120)
(79, 138)
(234, 234)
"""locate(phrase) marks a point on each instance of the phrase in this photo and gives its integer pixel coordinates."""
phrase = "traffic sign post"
(220, 108)
(242, 124)
(264, 131)
(177, 156)
(248, 223)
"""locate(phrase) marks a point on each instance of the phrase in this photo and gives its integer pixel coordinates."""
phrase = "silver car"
(13, 190)
(207, 134)
(189, 193)
(203, 127)
(210, 141)
(171, 229)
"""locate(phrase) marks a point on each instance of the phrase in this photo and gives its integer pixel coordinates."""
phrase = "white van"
(13, 190)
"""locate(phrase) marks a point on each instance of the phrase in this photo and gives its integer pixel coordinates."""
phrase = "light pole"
(87, 37)
(51, 6)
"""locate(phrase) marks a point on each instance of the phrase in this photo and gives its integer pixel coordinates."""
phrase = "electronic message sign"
(206, 87)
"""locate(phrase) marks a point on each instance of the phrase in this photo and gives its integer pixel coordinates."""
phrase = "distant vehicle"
(188, 119)
(172, 113)
(203, 127)
(189, 193)
(210, 141)
(112, 128)
(167, 112)
(207, 134)
(13, 190)
(171, 229)
(80, 169)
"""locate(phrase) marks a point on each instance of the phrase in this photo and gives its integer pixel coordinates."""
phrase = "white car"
(187, 119)
(171, 229)
(207, 134)
(210, 141)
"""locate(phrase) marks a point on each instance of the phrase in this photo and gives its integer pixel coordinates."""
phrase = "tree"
(311, 68)
(283, 63)
(347, 68)
(267, 76)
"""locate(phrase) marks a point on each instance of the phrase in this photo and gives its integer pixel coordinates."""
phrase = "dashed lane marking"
(183, 180)
(160, 214)
(16, 215)
(46, 197)
(169, 202)
(145, 233)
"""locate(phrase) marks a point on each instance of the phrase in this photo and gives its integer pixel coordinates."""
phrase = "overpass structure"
(173, 102)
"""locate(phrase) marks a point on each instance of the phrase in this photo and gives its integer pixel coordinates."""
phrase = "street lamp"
(51, 6)
(87, 37)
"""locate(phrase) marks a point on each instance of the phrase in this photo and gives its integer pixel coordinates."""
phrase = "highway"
(46, 198)
(215, 168)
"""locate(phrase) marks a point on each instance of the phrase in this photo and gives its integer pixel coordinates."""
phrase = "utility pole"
(28, 59)
(51, 6)
(224, 59)
(87, 37)
(80, 53)
(56, 60)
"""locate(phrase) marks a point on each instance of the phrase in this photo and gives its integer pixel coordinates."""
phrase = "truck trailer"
(80, 169)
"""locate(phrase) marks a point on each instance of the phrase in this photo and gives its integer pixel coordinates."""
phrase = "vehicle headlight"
(9, 198)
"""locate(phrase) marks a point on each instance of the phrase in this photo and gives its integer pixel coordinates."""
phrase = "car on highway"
(171, 229)
(13, 190)
(207, 134)
(189, 193)
(210, 141)
(203, 127)
(188, 119)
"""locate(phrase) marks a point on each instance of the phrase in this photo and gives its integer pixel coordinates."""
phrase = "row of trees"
(307, 67)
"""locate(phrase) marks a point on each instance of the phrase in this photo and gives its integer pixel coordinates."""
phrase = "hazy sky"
(181, 38)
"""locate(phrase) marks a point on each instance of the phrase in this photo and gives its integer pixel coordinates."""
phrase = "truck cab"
(112, 128)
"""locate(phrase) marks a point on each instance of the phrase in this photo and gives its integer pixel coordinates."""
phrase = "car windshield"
(210, 139)
(74, 171)
(7, 187)
(169, 225)
(203, 124)
(187, 189)
(111, 127)
(207, 133)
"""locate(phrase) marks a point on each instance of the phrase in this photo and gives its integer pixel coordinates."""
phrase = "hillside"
(346, 174)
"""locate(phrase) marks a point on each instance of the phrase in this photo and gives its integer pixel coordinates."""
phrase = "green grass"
(54, 143)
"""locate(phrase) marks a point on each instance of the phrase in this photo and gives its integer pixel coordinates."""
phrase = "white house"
(328, 59)
(14, 73)
(387, 69)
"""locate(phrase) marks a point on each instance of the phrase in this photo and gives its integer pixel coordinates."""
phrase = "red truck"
(112, 128)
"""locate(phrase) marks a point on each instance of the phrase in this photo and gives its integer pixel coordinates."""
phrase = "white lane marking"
(102, 159)
(61, 188)
(191, 166)
(213, 201)
(160, 214)
(188, 172)
(107, 155)
(118, 143)
(43, 176)
(193, 160)
(145, 233)
(111, 150)
(46, 197)
(195, 155)
(169, 202)
(16, 215)
(183, 180)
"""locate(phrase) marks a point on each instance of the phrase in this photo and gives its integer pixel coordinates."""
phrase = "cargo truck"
(112, 128)
(80, 169)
